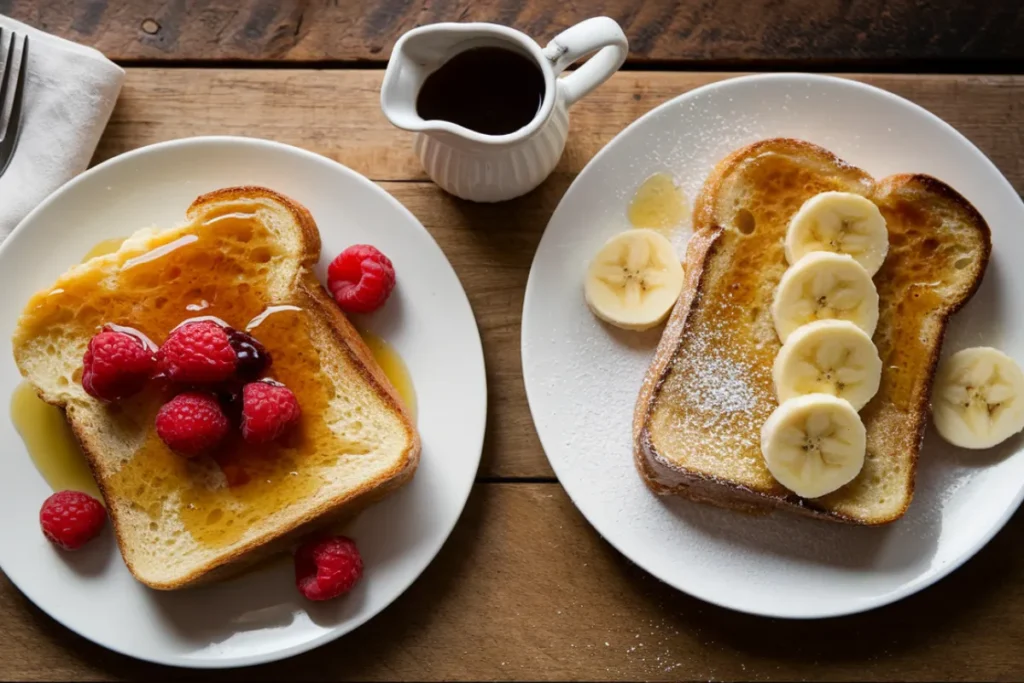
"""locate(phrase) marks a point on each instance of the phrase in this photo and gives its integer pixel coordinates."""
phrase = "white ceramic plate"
(582, 377)
(260, 616)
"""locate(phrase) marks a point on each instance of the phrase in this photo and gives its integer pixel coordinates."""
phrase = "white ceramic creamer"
(493, 168)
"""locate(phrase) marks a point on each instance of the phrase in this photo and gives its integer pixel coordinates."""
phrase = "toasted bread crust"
(323, 310)
(666, 477)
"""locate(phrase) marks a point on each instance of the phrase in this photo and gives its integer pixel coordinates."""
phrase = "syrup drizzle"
(50, 443)
(158, 292)
(658, 204)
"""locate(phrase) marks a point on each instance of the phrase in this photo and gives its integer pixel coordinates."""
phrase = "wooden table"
(525, 588)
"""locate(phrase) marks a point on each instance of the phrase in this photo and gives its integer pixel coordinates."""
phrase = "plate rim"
(914, 586)
(477, 437)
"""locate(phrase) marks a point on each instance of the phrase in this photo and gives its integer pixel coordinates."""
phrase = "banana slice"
(839, 222)
(823, 286)
(634, 280)
(813, 444)
(828, 357)
(977, 399)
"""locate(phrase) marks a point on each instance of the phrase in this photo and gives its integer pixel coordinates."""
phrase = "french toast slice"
(244, 255)
(709, 389)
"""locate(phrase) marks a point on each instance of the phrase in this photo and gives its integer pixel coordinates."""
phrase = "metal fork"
(13, 126)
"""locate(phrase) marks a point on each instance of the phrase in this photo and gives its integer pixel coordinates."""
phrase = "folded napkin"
(70, 92)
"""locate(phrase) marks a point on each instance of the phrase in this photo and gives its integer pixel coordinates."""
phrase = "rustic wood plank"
(881, 32)
(526, 589)
(336, 113)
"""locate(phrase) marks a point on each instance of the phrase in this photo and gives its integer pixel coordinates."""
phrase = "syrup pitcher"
(487, 105)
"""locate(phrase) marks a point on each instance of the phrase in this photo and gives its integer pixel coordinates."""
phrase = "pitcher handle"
(599, 33)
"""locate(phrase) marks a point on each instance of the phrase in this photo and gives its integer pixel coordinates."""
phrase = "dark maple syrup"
(220, 272)
(491, 90)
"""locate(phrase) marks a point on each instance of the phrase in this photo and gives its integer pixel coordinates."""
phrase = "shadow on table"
(918, 621)
(511, 230)
(491, 247)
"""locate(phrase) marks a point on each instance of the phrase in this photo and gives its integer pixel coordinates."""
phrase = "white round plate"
(259, 616)
(582, 377)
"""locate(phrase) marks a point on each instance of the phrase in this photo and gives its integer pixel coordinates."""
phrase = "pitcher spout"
(424, 50)
(416, 55)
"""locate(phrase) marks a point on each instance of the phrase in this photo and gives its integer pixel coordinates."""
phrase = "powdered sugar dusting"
(715, 398)
(718, 383)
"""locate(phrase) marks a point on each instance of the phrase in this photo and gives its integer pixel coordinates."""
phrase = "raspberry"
(191, 423)
(252, 358)
(268, 410)
(70, 519)
(198, 353)
(327, 567)
(361, 279)
(116, 365)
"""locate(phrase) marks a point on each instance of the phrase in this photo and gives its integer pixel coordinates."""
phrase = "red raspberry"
(327, 567)
(361, 279)
(268, 410)
(116, 365)
(70, 519)
(191, 423)
(198, 353)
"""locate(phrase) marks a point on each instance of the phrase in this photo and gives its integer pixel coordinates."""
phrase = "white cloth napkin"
(70, 92)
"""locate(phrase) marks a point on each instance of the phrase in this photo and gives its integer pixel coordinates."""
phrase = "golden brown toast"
(241, 252)
(709, 389)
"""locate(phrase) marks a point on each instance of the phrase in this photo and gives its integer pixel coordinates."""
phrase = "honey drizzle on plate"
(394, 368)
(50, 442)
(104, 247)
(658, 204)
(216, 499)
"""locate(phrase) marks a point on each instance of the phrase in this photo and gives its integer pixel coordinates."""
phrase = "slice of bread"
(240, 251)
(709, 389)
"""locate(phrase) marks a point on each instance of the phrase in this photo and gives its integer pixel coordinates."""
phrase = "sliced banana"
(976, 402)
(634, 280)
(828, 357)
(813, 444)
(823, 286)
(840, 222)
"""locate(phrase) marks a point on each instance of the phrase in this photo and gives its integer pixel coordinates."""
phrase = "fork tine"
(10, 139)
(8, 68)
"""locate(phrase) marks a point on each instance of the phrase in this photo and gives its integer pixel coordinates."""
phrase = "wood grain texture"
(526, 589)
(337, 114)
(903, 33)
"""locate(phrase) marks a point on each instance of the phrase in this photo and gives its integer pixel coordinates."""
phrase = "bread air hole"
(962, 263)
(745, 222)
